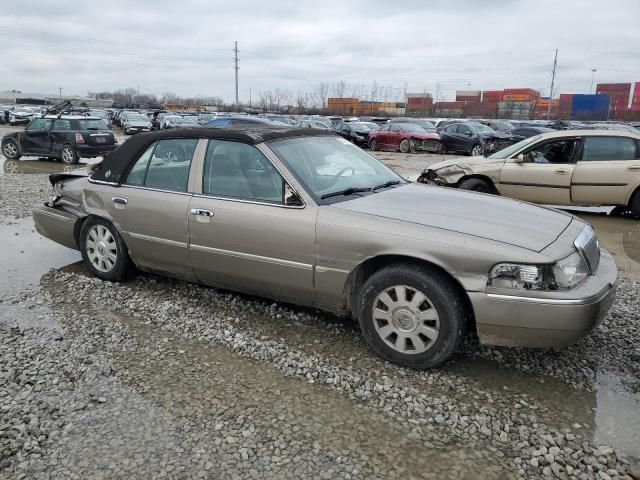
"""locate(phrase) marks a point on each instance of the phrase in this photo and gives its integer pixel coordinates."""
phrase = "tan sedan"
(582, 167)
(305, 216)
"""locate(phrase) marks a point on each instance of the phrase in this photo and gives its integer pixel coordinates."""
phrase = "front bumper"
(431, 146)
(553, 319)
(88, 151)
(56, 225)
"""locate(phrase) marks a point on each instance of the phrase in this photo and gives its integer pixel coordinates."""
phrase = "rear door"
(607, 172)
(36, 137)
(448, 135)
(242, 234)
(60, 133)
(545, 176)
(151, 208)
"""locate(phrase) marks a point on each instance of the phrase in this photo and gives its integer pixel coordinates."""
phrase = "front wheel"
(411, 315)
(476, 150)
(634, 204)
(405, 146)
(10, 150)
(104, 251)
(68, 155)
(476, 185)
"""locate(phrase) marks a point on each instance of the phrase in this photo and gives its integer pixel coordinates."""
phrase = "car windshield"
(480, 128)
(506, 126)
(362, 126)
(331, 164)
(507, 152)
(138, 118)
(411, 127)
(92, 124)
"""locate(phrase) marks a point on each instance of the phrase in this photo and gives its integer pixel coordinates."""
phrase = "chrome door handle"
(119, 200)
(633, 167)
(201, 212)
(562, 171)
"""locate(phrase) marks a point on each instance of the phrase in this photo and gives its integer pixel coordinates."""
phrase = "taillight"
(79, 138)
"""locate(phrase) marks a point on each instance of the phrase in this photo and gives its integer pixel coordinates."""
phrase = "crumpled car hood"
(486, 216)
(460, 161)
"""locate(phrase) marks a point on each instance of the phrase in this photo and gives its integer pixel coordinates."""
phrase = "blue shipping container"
(590, 107)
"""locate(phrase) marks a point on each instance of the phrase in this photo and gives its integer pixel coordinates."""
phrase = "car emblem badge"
(107, 174)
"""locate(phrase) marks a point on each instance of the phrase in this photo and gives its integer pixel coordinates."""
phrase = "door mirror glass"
(291, 198)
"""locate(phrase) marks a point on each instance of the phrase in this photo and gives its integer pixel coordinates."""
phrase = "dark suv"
(65, 137)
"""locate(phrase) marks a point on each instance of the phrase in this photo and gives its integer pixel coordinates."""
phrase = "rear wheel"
(634, 204)
(68, 155)
(405, 146)
(10, 150)
(476, 150)
(476, 185)
(411, 315)
(104, 251)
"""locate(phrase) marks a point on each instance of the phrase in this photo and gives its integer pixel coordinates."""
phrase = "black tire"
(11, 150)
(122, 267)
(405, 146)
(442, 294)
(476, 185)
(373, 145)
(634, 204)
(68, 155)
(476, 150)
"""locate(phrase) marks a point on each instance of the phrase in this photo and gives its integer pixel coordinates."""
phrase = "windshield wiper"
(346, 191)
(386, 184)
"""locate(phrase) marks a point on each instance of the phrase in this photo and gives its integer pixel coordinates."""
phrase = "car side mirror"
(291, 198)
(519, 158)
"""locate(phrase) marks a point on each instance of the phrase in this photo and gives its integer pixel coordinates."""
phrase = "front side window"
(556, 151)
(164, 165)
(241, 171)
(609, 148)
(451, 128)
(39, 125)
(328, 164)
(61, 124)
(463, 129)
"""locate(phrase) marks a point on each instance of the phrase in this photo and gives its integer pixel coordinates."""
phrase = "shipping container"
(590, 107)
(468, 95)
(449, 105)
(636, 91)
(492, 95)
(613, 87)
(522, 91)
(450, 112)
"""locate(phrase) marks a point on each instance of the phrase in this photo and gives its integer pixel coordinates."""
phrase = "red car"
(406, 137)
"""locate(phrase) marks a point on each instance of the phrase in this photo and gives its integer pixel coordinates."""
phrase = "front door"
(151, 208)
(36, 138)
(241, 233)
(544, 176)
(607, 171)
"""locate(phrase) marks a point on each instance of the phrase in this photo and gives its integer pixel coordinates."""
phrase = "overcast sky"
(186, 46)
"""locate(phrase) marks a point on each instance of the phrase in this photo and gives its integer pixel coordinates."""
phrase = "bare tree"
(339, 89)
(320, 94)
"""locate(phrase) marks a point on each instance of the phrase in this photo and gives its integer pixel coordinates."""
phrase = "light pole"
(593, 77)
(60, 89)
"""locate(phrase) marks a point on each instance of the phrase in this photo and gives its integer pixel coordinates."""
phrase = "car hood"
(487, 216)
(138, 123)
(500, 135)
(460, 161)
(424, 136)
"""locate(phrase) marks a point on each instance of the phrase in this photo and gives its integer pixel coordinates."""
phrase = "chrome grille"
(588, 246)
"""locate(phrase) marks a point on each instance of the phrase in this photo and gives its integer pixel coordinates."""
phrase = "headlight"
(570, 271)
(523, 277)
(564, 274)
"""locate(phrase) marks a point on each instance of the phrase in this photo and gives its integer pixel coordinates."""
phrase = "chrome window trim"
(163, 241)
(252, 202)
(250, 256)
(176, 192)
(102, 182)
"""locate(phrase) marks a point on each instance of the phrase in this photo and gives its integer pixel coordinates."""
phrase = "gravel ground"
(158, 378)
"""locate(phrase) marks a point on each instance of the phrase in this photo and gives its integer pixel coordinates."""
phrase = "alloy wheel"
(405, 319)
(67, 155)
(10, 150)
(101, 248)
(476, 150)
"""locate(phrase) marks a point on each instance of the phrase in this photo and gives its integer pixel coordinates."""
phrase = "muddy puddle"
(31, 165)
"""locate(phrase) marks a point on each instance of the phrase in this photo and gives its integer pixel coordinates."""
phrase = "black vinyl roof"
(114, 168)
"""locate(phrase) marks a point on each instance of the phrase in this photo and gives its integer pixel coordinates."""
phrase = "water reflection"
(35, 166)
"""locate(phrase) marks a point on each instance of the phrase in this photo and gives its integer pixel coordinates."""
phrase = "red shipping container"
(449, 105)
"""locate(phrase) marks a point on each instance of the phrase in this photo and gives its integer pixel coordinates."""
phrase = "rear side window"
(61, 124)
(164, 165)
(609, 148)
(238, 170)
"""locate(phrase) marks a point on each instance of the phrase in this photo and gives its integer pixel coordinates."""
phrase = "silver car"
(304, 216)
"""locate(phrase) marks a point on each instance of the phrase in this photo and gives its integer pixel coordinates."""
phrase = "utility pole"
(235, 67)
(593, 77)
(138, 89)
(249, 98)
(60, 90)
(553, 79)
